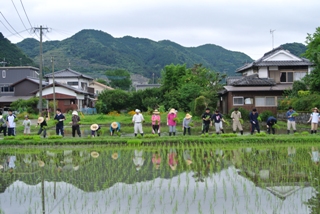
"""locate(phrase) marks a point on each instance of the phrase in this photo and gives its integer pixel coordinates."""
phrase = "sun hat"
(25, 116)
(40, 119)
(137, 111)
(75, 168)
(94, 154)
(114, 125)
(94, 127)
(41, 163)
(75, 113)
(172, 111)
(1, 117)
(188, 116)
(156, 111)
(1, 167)
(315, 108)
(115, 156)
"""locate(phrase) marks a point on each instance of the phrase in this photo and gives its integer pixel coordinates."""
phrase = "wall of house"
(58, 89)
(65, 80)
(263, 72)
(25, 88)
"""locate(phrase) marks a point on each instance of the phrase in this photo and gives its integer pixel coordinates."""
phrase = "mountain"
(12, 54)
(295, 48)
(93, 52)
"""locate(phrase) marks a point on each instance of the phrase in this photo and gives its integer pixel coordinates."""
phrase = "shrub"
(264, 115)
(134, 142)
(305, 133)
(261, 134)
(200, 105)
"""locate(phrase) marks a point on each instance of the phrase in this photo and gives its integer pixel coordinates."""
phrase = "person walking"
(291, 120)
(186, 124)
(27, 124)
(114, 127)
(75, 120)
(236, 116)
(137, 120)
(59, 125)
(43, 126)
(155, 122)
(270, 123)
(11, 123)
(3, 126)
(171, 121)
(314, 118)
(206, 120)
(254, 121)
(217, 118)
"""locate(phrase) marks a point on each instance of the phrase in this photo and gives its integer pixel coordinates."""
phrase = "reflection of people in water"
(187, 157)
(115, 155)
(173, 159)
(11, 163)
(138, 159)
(291, 154)
(156, 159)
(314, 155)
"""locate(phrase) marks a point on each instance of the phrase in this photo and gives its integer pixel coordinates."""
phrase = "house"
(68, 97)
(146, 86)
(98, 87)
(11, 75)
(262, 83)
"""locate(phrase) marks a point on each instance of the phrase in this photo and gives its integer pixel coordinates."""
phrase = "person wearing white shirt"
(137, 120)
(11, 123)
(314, 118)
(138, 159)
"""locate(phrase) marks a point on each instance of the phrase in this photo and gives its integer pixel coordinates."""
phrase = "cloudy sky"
(238, 25)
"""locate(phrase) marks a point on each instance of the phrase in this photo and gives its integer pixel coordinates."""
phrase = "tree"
(102, 81)
(313, 54)
(112, 100)
(119, 79)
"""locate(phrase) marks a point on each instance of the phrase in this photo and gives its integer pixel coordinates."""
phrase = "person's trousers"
(235, 125)
(205, 127)
(291, 124)
(217, 126)
(75, 129)
(185, 130)
(44, 132)
(138, 127)
(255, 126)
(59, 129)
(4, 129)
(11, 132)
(155, 129)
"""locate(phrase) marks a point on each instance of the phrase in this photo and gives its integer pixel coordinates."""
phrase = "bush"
(264, 115)
(200, 105)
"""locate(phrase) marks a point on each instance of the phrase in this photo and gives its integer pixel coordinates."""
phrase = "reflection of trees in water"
(314, 202)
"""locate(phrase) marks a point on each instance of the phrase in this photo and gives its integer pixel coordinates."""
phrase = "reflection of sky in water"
(225, 192)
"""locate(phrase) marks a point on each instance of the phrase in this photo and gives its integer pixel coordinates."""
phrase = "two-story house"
(263, 81)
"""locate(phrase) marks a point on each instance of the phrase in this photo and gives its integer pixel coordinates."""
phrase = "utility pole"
(153, 77)
(271, 31)
(4, 62)
(53, 86)
(40, 66)
(20, 61)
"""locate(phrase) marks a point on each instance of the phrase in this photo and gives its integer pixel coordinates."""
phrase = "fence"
(89, 110)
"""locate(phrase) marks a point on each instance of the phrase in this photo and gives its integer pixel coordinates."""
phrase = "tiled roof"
(278, 87)
(283, 63)
(77, 90)
(32, 79)
(68, 73)
(253, 80)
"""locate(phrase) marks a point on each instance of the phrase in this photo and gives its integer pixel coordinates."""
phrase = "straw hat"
(188, 116)
(115, 156)
(75, 113)
(40, 119)
(25, 116)
(315, 108)
(94, 154)
(172, 111)
(137, 111)
(76, 168)
(1, 167)
(1, 117)
(41, 163)
(156, 112)
(188, 162)
(114, 125)
(94, 127)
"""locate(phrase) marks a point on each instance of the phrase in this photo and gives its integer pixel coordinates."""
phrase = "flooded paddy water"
(173, 179)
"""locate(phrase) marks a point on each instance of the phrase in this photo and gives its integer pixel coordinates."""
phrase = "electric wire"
(10, 25)
(6, 27)
(19, 15)
(26, 13)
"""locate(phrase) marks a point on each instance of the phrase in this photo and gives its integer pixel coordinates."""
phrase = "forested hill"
(94, 52)
(296, 48)
(12, 54)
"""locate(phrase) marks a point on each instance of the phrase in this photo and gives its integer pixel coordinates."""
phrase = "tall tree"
(313, 54)
(119, 79)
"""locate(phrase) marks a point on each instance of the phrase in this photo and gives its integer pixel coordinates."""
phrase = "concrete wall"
(302, 118)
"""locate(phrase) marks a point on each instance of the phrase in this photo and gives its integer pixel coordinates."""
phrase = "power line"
(26, 14)
(19, 15)
(7, 28)
(11, 26)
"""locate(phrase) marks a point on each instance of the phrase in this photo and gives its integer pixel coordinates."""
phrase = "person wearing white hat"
(186, 124)
(27, 124)
(155, 122)
(137, 120)
(75, 120)
(43, 126)
(171, 121)
(11, 123)
(95, 128)
(114, 127)
(314, 118)
(3, 126)
(138, 159)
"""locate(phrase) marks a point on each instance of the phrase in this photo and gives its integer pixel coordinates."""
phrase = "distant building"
(98, 87)
(146, 86)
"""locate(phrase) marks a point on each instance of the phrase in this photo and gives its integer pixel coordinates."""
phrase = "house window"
(4, 73)
(7, 89)
(286, 77)
(265, 101)
(238, 100)
(299, 75)
(72, 83)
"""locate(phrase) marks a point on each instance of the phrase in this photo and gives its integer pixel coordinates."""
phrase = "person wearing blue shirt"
(291, 122)
(60, 118)
(114, 127)
(253, 117)
(270, 122)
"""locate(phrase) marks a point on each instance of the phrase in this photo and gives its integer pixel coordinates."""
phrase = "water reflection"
(173, 180)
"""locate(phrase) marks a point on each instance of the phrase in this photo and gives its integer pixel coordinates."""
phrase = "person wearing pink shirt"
(171, 121)
(173, 159)
(155, 122)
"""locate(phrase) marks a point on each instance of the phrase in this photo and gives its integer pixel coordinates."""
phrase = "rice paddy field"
(179, 177)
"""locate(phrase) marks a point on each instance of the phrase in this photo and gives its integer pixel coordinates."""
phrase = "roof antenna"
(69, 63)
(271, 32)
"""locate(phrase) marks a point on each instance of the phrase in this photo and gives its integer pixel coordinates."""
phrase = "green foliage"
(296, 87)
(295, 48)
(55, 137)
(229, 135)
(200, 105)
(261, 134)
(151, 136)
(264, 115)
(102, 81)
(119, 78)
(114, 100)
(303, 103)
(305, 133)
(29, 105)
(134, 142)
